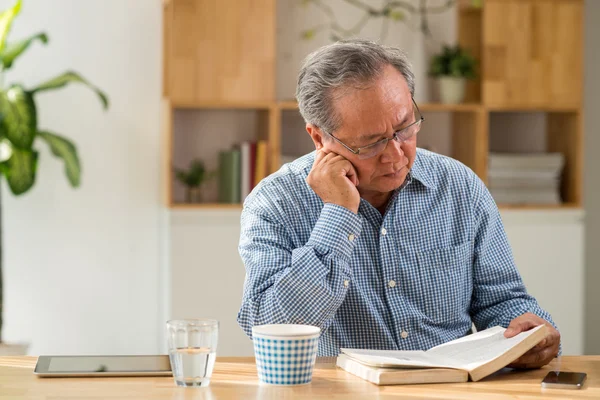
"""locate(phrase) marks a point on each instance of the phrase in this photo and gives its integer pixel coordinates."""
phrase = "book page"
(481, 347)
(398, 358)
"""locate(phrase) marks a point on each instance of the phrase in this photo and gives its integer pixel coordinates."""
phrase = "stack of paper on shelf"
(474, 356)
(531, 178)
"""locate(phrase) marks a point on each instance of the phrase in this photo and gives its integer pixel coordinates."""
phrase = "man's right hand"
(334, 180)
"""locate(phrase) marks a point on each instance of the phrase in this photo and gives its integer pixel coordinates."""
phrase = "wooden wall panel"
(221, 51)
(532, 53)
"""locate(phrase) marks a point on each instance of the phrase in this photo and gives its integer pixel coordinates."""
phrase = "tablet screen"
(109, 364)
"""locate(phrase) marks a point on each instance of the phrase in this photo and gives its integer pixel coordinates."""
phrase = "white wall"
(591, 182)
(207, 274)
(548, 251)
(294, 18)
(81, 266)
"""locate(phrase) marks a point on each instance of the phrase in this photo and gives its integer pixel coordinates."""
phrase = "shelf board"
(532, 108)
(563, 206)
(224, 105)
(463, 107)
(205, 206)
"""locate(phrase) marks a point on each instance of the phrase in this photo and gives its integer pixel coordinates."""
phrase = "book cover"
(400, 376)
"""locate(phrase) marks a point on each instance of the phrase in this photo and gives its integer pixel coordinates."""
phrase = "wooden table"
(235, 378)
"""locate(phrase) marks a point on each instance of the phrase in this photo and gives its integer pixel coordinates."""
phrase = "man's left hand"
(544, 351)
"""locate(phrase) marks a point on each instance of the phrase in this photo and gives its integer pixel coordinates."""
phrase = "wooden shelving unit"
(530, 55)
(530, 61)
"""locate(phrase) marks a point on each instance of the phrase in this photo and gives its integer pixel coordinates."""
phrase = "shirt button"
(351, 237)
(346, 283)
(404, 334)
(392, 283)
(383, 231)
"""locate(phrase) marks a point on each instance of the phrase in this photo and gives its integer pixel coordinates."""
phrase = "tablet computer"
(91, 366)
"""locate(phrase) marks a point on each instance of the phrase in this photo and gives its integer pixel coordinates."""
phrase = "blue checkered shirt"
(416, 277)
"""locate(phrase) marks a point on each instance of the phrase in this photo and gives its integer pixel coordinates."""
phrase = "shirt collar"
(420, 173)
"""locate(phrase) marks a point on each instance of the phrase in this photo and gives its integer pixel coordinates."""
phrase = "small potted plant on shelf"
(452, 67)
(193, 178)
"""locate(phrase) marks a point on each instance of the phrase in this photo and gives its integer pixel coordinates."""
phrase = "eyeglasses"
(378, 147)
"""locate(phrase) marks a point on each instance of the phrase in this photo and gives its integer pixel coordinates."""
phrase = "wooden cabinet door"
(532, 53)
(219, 51)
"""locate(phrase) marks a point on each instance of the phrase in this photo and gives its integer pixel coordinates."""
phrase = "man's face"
(369, 115)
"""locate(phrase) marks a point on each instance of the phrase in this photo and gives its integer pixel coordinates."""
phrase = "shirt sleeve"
(296, 285)
(499, 294)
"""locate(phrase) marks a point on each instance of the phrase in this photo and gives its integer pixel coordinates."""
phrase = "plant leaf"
(19, 117)
(6, 18)
(66, 150)
(66, 78)
(20, 170)
(14, 50)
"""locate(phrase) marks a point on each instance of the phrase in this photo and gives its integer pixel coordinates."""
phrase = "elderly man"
(380, 244)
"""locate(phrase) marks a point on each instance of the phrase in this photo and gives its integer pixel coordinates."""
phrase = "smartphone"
(564, 380)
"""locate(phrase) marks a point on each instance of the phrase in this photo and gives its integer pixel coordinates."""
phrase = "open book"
(477, 355)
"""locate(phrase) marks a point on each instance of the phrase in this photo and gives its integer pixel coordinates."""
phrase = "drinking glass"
(192, 350)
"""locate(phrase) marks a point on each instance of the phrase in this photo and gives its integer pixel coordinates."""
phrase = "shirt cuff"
(336, 231)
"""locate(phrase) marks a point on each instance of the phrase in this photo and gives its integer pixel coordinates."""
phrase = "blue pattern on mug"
(285, 362)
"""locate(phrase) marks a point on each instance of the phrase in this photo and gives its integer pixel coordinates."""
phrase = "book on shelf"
(519, 161)
(499, 182)
(246, 168)
(240, 170)
(528, 178)
(526, 196)
(474, 356)
(230, 176)
(512, 175)
(252, 165)
(261, 161)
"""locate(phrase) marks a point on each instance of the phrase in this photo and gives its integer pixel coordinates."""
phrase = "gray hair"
(353, 63)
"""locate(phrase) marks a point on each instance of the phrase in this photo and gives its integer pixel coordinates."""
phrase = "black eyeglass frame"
(397, 136)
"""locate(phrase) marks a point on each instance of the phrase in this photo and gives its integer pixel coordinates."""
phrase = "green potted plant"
(19, 130)
(193, 178)
(452, 67)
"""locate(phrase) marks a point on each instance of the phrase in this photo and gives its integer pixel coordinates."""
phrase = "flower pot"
(193, 195)
(452, 90)
(13, 349)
